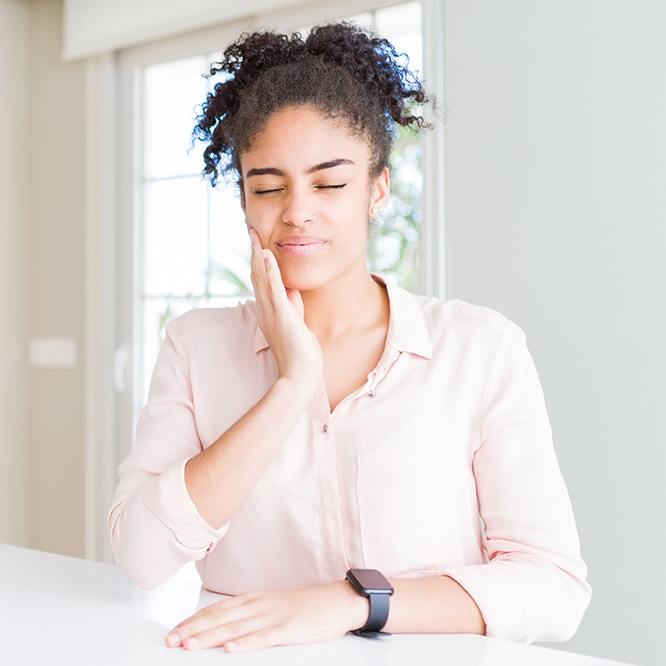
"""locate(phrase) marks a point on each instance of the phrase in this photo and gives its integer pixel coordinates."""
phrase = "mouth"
(301, 244)
(300, 249)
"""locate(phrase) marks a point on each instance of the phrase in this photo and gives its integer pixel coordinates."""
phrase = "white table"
(56, 609)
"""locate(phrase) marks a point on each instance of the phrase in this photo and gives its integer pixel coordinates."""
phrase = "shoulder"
(221, 322)
(462, 314)
(467, 322)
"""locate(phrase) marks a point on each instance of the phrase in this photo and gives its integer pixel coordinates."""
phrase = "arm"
(174, 499)
(220, 477)
(534, 585)
(425, 605)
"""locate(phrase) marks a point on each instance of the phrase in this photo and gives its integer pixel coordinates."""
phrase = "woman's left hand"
(257, 620)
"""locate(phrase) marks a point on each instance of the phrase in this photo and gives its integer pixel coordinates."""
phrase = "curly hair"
(344, 72)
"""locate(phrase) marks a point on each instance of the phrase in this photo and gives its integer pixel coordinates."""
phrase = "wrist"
(303, 385)
(358, 605)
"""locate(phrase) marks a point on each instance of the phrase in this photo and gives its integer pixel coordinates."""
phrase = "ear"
(379, 192)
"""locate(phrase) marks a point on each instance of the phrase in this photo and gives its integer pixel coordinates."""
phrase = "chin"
(303, 278)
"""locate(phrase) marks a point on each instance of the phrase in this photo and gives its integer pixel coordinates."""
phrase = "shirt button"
(372, 393)
(325, 428)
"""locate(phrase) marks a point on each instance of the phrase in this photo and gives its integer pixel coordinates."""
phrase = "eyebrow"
(278, 172)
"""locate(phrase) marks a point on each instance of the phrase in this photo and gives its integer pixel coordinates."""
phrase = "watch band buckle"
(370, 634)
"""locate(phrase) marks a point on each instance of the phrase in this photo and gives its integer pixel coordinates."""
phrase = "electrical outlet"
(52, 353)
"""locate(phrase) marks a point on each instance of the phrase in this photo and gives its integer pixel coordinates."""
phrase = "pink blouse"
(441, 463)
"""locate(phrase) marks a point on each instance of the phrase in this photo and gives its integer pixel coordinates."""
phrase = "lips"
(299, 244)
(300, 240)
(293, 249)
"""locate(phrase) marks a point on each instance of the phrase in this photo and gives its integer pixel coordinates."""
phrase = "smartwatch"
(372, 584)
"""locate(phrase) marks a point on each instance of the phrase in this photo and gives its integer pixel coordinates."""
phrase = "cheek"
(353, 233)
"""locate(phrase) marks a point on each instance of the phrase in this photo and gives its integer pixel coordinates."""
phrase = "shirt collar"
(407, 327)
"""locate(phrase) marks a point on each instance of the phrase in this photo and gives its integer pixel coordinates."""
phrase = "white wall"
(55, 262)
(42, 236)
(95, 27)
(13, 126)
(556, 216)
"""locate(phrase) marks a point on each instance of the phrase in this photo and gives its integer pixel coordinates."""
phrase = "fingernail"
(173, 639)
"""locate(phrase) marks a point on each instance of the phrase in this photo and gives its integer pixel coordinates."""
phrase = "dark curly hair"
(344, 72)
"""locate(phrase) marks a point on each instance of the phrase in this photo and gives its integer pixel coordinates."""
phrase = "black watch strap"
(370, 634)
(379, 611)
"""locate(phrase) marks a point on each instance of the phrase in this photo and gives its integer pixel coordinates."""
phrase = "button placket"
(334, 550)
(367, 390)
(378, 375)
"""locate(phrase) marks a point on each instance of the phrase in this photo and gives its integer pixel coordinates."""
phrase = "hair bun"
(372, 59)
(341, 69)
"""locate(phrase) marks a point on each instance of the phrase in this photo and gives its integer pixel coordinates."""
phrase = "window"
(194, 247)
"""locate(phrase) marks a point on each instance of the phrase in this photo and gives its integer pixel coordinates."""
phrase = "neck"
(352, 303)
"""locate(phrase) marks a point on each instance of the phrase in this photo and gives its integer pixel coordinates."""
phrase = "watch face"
(371, 580)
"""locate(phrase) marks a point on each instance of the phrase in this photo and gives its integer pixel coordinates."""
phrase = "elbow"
(572, 609)
(130, 555)
(579, 605)
(136, 568)
(145, 550)
(141, 577)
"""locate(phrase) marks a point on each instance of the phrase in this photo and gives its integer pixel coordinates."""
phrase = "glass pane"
(363, 19)
(175, 239)
(401, 25)
(171, 91)
(218, 77)
(394, 247)
(229, 246)
(394, 244)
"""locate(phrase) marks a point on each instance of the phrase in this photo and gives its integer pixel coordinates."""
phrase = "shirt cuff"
(500, 605)
(166, 495)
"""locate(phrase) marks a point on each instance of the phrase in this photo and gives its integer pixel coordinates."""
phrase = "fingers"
(205, 618)
(274, 278)
(258, 640)
(221, 624)
(266, 271)
(236, 631)
(258, 273)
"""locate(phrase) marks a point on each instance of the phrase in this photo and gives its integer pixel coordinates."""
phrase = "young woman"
(326, 453)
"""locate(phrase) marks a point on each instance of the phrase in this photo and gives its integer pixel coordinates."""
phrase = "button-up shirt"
(441, 463)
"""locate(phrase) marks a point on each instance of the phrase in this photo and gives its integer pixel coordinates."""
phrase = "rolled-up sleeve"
(153, 524)
(533, 587)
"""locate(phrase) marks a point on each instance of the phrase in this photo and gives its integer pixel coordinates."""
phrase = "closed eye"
(320, 187)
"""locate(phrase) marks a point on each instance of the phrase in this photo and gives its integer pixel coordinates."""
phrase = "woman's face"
(285, 195)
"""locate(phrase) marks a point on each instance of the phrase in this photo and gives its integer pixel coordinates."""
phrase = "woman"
(339, 423)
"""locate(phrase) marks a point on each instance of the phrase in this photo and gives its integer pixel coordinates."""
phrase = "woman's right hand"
(280, 315)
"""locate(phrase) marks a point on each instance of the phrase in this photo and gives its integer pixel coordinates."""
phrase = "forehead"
(296, 138)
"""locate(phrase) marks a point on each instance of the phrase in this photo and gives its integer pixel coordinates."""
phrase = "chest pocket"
(407, 501)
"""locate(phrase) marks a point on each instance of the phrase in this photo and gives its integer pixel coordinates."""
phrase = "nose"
(298, 205)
